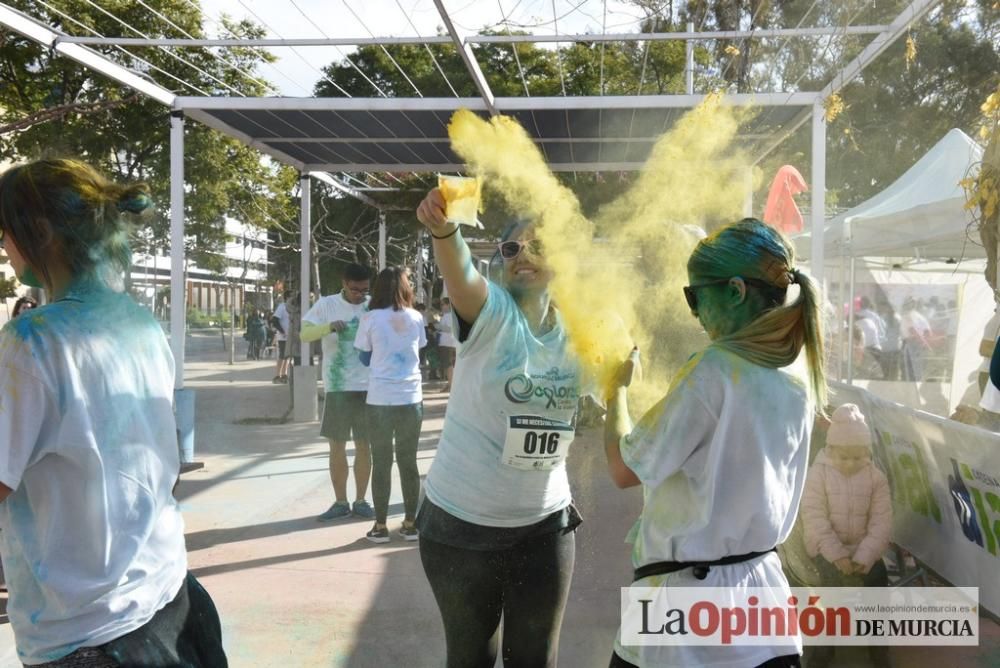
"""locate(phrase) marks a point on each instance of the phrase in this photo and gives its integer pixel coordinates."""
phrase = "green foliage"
(130, 141)
(8, 287)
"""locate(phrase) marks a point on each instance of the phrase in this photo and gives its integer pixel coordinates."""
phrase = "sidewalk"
(295, 592)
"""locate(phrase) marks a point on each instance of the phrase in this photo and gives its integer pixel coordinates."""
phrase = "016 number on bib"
(535, 443)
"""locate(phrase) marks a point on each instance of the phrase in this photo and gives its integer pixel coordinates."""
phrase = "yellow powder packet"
(463, 198)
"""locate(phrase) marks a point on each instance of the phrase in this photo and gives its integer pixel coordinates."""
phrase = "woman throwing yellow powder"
(723, 457)
(496, 527)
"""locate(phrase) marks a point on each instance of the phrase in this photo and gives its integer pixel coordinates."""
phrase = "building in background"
(210, 293)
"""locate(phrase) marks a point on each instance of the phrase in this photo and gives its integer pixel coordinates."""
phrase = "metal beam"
(269, 43)
(262, 43)
(501, 104)
(322, 175)
(32, 29)
(444, 139)
(425, 168)
(914, 12)
(667, 36)
(469, 58)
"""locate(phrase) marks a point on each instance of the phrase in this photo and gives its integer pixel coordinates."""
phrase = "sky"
(297, 70)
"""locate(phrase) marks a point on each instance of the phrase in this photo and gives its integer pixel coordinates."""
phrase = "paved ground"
(296, 593)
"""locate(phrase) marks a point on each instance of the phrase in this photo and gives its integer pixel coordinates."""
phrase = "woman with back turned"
(722, 457)
(92, 540)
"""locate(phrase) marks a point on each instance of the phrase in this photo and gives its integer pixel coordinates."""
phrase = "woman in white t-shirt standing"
(723, 456)
(497, 523)
(92, 540)
(390, 337)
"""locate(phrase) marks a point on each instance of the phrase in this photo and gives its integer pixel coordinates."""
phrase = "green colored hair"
(752, 249)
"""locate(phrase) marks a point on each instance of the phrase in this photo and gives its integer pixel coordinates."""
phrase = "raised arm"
(466, 286)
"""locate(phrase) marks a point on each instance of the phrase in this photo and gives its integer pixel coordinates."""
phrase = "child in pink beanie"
(847, 513)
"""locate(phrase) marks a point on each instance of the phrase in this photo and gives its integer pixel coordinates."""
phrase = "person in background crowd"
(892, 343)
(93, 539)
(390, 337)
(873, 330)
(334, 319)
(446, 343)
(281, 323)
(916, 340)
(256, 333)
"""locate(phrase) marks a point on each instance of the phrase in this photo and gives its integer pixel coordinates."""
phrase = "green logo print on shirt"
(345, 359)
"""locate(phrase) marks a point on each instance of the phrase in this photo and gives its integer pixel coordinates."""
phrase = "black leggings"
(526, 585)
(394, 427)
(787, 661)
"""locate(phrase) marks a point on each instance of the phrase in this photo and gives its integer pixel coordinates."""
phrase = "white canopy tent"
(917, 229)
(921, 215)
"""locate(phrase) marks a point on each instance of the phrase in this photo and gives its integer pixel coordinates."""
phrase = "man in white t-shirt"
(335, 319)
(283, 321)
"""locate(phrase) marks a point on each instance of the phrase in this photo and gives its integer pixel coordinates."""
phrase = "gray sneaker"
(361, 508)
(335, 512)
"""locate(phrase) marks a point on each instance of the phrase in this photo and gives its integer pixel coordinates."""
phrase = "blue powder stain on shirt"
(399, 362)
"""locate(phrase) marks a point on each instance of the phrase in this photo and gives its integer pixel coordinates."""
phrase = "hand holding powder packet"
(462, 196)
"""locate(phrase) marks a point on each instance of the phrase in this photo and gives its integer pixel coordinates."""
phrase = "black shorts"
(344, 417)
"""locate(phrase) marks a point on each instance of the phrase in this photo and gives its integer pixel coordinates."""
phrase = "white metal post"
(818, 191)
(305, 403)
(381, 240)
(421, 298)
(305, 224)
(850, 323)
(178, 308)
(689, 62)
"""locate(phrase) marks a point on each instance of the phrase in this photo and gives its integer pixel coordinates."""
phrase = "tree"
(50, 105)
(902, 103)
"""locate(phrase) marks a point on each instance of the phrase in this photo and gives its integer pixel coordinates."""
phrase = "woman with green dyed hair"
(92, 540)
(723, 456)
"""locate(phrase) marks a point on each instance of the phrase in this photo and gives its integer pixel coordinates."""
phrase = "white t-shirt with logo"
(342, 369)
(502, 370)
(394, 338)
(722, 459)
(92, 540)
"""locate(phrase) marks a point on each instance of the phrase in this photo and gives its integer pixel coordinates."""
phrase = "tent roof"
(922, 214)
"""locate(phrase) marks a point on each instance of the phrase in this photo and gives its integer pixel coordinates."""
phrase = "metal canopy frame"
(212, 111)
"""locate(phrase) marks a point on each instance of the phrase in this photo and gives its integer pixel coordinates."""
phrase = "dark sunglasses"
(511, 249)
(691, 294)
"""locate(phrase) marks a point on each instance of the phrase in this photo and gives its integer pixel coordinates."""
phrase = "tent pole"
(818, 191)
(842, 288)
(850, 327)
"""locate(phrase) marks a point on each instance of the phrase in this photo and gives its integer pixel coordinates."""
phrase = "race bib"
(535, 443)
